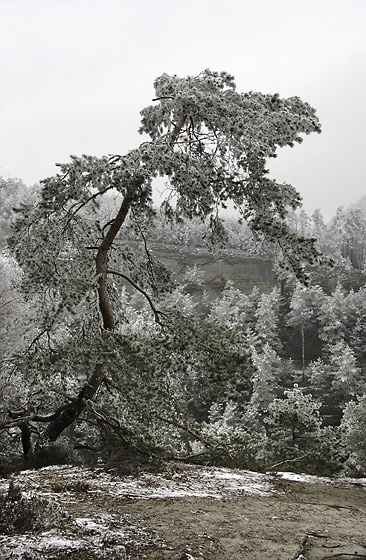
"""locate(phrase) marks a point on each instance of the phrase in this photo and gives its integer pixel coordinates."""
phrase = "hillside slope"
(218, 268)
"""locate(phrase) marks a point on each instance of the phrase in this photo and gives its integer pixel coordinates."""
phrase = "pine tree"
(211, 145)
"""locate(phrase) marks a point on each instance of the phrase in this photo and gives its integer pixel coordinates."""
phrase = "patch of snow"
(203, 483)
(304, 478)
(51, 540)
(88, 524)
(16, 546)
(197, 482)
(209, 482)
(312, 479)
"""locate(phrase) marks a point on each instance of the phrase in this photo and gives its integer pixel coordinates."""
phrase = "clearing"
(186, 513)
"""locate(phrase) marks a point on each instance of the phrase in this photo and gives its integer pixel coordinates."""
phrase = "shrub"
(21, 514)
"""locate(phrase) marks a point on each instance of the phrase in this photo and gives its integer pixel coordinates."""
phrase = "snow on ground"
(311, 479)
(210, 482)
(21, 546)
(199, 482)
(66, 485)
(100, 531)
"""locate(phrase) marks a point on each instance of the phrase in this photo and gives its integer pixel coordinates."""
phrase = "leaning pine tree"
(211, 145)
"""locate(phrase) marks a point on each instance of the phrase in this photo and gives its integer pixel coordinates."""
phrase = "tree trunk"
(72, 411)
(26, 440)
(101, 263)
(303, 350)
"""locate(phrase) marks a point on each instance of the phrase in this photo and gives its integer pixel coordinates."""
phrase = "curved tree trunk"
(68, 414)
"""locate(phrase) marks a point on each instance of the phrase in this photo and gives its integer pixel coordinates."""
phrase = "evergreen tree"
(304, 310)
(296, 436)
(336, 380)
(210, 143)
(267, 320)
(13, 192)
(354, 434)
(235, 308)
(266, 386)
(294, 419)
(333, 317)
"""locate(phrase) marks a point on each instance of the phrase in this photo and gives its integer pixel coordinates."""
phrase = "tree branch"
(82, 204)
(156, 312)
(289, 461)
(18, 419)
(348, 554)
(163, 97)
(113, 424)
(150, 262)
(189, 431)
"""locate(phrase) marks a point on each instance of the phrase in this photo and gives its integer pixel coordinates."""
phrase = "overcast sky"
(76, 73)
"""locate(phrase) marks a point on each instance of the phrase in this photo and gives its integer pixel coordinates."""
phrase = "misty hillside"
(361, 204)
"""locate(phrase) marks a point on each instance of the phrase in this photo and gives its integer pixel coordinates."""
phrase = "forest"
(105, 352)
(254, 378)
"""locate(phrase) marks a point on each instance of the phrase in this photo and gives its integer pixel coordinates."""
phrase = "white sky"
(76, 73)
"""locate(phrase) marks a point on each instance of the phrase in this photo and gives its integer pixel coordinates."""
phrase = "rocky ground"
(186, 513)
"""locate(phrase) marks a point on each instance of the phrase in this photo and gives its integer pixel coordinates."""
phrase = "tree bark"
(178, 127)
(101, 263)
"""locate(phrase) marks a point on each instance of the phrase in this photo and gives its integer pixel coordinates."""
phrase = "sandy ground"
(192, 513)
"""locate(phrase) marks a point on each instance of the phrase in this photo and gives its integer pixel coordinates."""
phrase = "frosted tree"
(348, 230)
(295, 417)
(347, 377)
(235, 308)
(356, 326)
(354, 434)
(13, 192)
(267, 321)
(210, 143)
(304, 310)
(265, 382)
(333, 317)
(336, 379)
(296, 436)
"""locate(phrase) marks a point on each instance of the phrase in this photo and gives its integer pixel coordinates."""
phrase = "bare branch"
(18, 420)
(346, 555)
(150, 263)
(156, 312)
(39, 335)
(288, 461)
(101, 261)
(163, 97)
